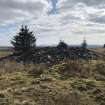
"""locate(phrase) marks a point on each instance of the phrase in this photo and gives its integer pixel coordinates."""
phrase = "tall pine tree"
(24, 45)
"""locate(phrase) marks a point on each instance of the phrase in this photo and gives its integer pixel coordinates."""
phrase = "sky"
(54, 20)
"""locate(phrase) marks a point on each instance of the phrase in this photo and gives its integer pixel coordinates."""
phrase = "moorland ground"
(71, 82)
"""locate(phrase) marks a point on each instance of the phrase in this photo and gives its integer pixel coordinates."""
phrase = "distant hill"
(6, 48)
(74, 45)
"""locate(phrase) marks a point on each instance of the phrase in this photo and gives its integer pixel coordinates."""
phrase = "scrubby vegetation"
(60, 75)
(67, 83)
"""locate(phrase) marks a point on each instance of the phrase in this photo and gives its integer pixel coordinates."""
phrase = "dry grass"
(67, 83)
(98, 50)
(5, 53)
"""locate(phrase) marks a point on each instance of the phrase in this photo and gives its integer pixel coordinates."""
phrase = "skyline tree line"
(24, 44)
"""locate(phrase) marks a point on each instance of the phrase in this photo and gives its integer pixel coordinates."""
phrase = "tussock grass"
(67, 83)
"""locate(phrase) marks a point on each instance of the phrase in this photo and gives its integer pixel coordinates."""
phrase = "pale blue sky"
(54, 20)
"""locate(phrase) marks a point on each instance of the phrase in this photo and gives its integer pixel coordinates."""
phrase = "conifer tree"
(84, 44)
(24, 45)
(84, 50)
(62, 45)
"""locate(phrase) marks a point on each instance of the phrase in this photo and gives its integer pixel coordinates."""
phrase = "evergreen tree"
(84, 45)
(24, 45)
(62, 45)
(84, 50)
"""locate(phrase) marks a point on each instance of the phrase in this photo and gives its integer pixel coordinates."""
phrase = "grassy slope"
(70, 83)
(5, 53)
(98, 50)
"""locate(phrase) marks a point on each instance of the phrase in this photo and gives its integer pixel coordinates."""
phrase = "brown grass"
(67, 83)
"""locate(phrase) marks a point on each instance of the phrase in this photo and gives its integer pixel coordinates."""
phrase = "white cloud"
(53, 20)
